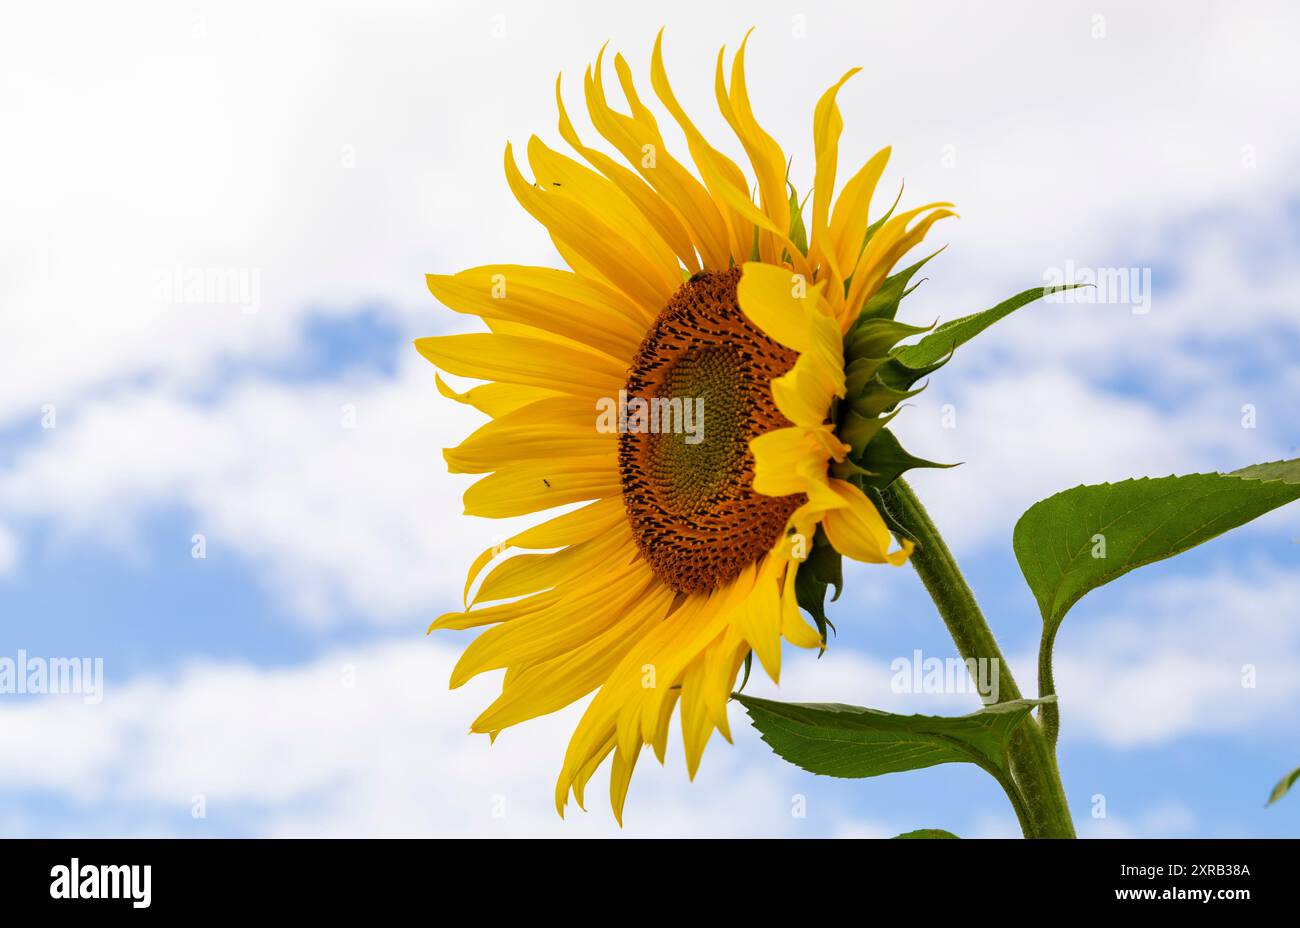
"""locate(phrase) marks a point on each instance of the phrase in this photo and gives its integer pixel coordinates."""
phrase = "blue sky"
(283, 684)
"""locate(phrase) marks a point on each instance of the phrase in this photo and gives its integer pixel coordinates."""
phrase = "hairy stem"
(1049, 713)
(1040, 803)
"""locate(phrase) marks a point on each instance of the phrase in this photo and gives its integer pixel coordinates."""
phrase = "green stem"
(1035, 791)
(1018, 803)
(1050, 713)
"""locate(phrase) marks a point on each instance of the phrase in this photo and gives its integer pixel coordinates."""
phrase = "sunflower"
(684, 293)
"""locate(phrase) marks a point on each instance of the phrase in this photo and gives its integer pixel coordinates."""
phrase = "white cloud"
(1156, 661)
(336, 519)
(365, 741)
(1205, 655)
(310, 164)
(1168, 818)
(1022, 436)
(8, 551)
(339, 152)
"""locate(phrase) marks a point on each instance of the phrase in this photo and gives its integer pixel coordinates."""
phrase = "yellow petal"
(827, 125)
(794, 460)
(857, 530)
(765, 154)
(528, 573)
(794, 627)
(639, 141)
(563, 177)
(571, 528)
(557, 428)
(697, 726)
(494, 399)
(592, 239)
(805, 392)
(580, 778)
(530, 486)
(722, 667)
(721, 175)
(620, 777)
(525, 361)
(658, 212)
(890, 242)
(785, 306)
(758, 621)
(852, 211)
(578, 616)
(551, 300)
(552, 684)
(492, 615)
(659, 735)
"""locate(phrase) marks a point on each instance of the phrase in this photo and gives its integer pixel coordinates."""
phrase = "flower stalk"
(1034, 788)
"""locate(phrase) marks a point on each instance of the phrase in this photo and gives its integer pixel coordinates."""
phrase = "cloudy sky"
(326, 156)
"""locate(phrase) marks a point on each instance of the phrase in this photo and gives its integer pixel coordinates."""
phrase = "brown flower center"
(699, 389)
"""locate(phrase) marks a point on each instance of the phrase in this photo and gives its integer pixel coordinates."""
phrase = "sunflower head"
(709, 382)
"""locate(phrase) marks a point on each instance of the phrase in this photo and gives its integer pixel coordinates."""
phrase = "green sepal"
(878, 397)
(875, 226)
(883, 304)
(810, 593)
(827, 565)
(956, 332)
(822, 569)
(858, 373)
(857, 431)
(900, 376)
(749, 665)
(847, 470)
(873, 338)
(923, 833)
(886, 460)
(798, 231)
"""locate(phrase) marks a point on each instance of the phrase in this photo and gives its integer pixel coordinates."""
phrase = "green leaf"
(943, 340)
(1273, 470)
(1284, 786)
(847, 741)
(1082, 538)
(925, 833)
